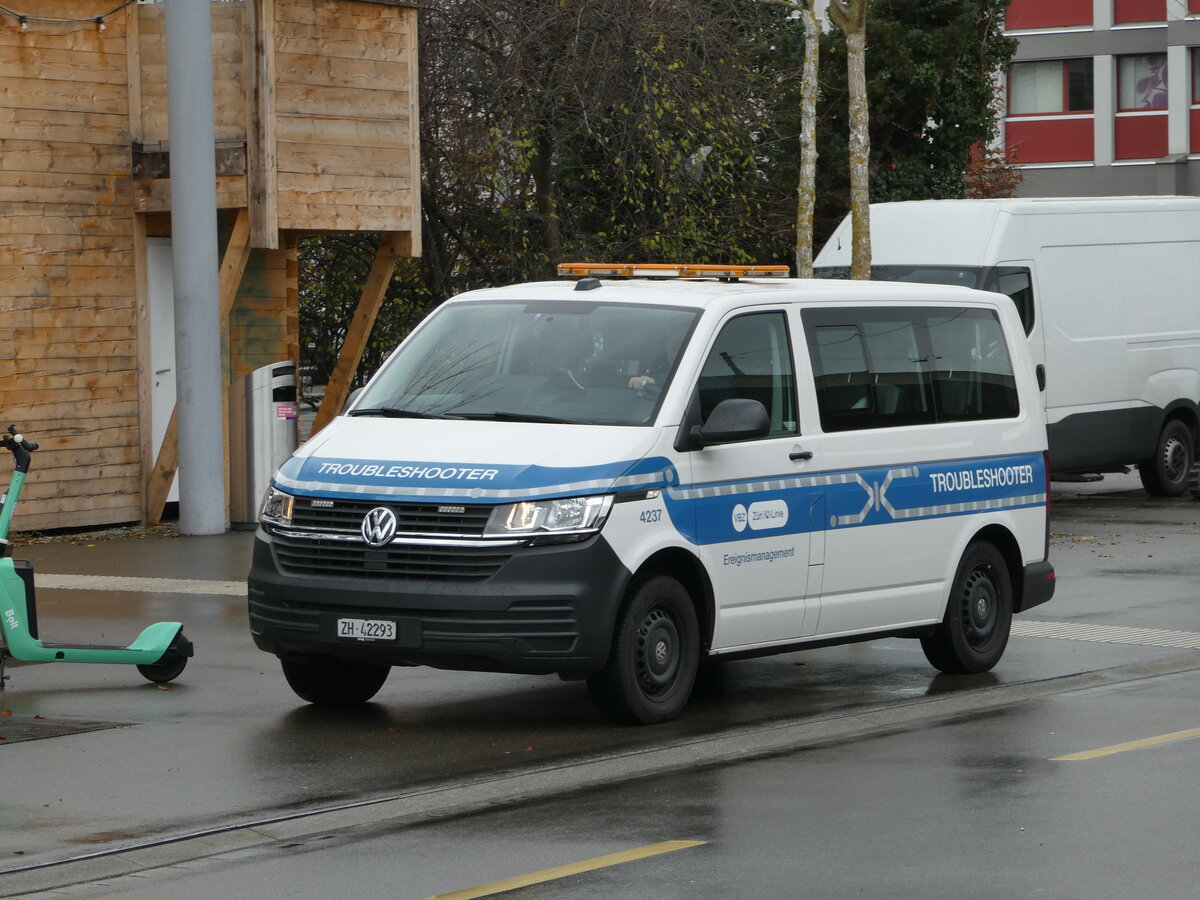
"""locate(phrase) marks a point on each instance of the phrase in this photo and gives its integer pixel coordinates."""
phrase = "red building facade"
(1110, 85)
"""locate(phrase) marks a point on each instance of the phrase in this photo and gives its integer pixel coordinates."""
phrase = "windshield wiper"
(519, 417)
(392, 412)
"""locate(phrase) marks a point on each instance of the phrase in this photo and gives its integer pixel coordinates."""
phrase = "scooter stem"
(8, 503)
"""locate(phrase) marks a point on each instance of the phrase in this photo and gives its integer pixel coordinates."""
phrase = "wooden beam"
(165, 466)
(233, 267)
(392, 246)
(233, 264)
(414, 144)
(261, 176)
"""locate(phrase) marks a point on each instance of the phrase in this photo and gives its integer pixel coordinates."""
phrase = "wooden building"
(316, 131)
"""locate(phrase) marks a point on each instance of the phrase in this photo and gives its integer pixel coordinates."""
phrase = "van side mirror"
(732, 420)
(353, 396)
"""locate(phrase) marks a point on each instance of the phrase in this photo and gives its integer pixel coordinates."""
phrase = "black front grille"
(314, 556)
(549, 626)
(345, 516)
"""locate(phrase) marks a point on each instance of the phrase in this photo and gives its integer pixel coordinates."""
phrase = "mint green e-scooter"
(160, 652)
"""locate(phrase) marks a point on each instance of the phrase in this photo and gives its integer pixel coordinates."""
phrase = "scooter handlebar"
(20, 448)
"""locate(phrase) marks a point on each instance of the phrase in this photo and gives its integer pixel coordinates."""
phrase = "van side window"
(1018, 284)
(972, 372)
(881, 368)
(752, 359)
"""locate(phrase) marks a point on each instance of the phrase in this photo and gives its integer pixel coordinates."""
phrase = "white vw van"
(615, 478)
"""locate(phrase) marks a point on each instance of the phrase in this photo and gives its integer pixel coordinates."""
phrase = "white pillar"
(194, 232)
(1105, 93)
(1179, 95)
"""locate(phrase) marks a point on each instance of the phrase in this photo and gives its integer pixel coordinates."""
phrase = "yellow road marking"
(1132, 745)
(587, 865)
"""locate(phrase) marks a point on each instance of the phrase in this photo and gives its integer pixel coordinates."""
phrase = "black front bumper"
(543, 609)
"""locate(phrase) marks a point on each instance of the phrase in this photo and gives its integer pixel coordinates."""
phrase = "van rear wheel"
(975, 630)
(329, 681)
(1166, 473)
(655, 655)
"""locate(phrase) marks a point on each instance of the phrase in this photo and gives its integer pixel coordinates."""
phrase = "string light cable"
(24, 19)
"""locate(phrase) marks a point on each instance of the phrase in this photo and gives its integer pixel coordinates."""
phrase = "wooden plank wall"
(73, 99)
(229, 87)
(150, 129)
(346, 114)
(68, 349)
(263, 325)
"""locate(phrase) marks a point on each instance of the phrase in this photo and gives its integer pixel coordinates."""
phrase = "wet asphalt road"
(868, 770)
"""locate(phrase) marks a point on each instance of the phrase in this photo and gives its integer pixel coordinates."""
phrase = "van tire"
(975, 630)
(329, 681)
(655, 655)
(1166, 473)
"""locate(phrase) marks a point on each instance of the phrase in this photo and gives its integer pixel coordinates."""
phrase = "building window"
(1194, 113)
(1196, 76)
(1142, 82)
(1054, 86)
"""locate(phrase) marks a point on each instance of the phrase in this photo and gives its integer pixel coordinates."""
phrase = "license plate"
(366, 629)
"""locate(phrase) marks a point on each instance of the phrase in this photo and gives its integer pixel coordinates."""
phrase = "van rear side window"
(882, 368)
(1017, 282)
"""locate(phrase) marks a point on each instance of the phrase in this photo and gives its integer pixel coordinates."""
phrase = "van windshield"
(572, 362)
(965, 276)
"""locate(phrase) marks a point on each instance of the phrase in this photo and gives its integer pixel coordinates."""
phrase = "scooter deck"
(49, 646)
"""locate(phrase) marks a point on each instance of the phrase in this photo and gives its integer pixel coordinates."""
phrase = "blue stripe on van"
(745, 510)
(717, 512)
(394, 480)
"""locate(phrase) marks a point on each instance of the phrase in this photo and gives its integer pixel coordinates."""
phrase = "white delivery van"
(614, 479)
(1109, 293)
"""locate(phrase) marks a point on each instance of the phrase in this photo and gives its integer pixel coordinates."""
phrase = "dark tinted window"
(1080, 90)
(752, 358)
(1016, 282)
(881, 368)
(964, 276)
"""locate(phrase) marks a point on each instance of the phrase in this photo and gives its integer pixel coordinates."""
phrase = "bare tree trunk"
(547, 204)
(860, 153)
(851, 17)
(807, 190)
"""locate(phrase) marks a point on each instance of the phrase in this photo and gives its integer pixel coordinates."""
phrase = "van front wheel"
(1166, 473)
(655, 655)
(329, 681)
(974, 632)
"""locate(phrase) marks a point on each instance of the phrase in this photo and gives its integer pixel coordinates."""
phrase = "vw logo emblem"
(379, 526)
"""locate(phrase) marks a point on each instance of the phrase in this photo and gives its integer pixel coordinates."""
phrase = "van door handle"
(797, 455)
(1041, 376)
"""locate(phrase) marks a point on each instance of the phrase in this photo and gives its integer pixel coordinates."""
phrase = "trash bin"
(262, 434)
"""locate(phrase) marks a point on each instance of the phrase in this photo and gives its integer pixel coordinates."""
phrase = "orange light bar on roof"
(667, 270)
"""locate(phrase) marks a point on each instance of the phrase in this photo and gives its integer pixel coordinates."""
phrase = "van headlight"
(561, 519)
(276, 508)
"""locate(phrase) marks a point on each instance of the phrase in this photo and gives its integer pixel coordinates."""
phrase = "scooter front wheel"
(166, 669)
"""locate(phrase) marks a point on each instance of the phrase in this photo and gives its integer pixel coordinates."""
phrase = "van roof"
(706, 293)
(1036, 205)
(963, 232)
